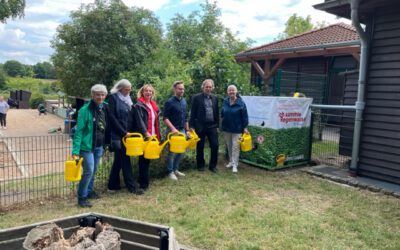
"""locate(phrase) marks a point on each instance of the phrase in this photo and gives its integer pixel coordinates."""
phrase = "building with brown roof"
(378, 152)
(324, 52)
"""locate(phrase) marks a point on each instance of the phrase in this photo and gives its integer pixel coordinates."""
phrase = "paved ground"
(27, 122)
(341, 175)
(27, 149)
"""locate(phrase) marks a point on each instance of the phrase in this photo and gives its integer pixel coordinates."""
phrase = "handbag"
(115, 145)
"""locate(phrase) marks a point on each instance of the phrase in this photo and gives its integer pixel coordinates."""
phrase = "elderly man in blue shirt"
(175, 118)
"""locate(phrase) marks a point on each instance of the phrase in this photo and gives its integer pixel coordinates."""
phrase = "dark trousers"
(144, 172)
(3, 119)
(121, 161)
(212, 135)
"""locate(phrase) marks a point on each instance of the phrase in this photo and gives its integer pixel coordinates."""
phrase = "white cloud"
(12, 36)
(50, 7)
(264, 20)
(188, 1)
(23, 56)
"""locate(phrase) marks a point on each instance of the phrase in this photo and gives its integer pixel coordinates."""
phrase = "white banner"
(278, 112)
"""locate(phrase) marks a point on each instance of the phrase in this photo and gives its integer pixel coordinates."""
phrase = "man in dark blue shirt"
(175, 118)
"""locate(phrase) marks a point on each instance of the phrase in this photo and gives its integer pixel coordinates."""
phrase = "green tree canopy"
(102, 40)
(208, 48)
(3, 79)
(11, 9)
(296, 25)
(14, 68)
(44, 70)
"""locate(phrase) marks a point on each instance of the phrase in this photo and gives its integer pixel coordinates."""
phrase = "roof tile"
(335, 33)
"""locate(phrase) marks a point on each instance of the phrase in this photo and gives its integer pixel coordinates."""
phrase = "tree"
(199, 30)
(44, 70)
(208, 48)
(161, 69)
(3, 79)
(27, 71)
(102, 40)
(296, 25)
(11, 9)
(14, 68)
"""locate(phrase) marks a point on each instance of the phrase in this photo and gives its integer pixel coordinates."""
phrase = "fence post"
(310, 138)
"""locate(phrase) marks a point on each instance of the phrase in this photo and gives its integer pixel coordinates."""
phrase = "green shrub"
(3, 79)
(36, 100)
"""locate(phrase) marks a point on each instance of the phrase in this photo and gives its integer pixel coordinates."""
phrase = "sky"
(28, 40)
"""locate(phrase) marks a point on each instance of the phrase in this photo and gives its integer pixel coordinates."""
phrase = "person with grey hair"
(89, 140)
(204, 119)
(121, 109)
(120, 85)
(234, 122)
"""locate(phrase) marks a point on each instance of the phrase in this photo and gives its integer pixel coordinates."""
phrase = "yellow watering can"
(177, 142)
(153, 148)
(194, 138)
(280, 160)
(73, 169)
(134, 144)
(245, 142)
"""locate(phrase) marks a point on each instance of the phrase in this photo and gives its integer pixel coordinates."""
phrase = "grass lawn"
(255, 209)
(45, 87)
(325, 147)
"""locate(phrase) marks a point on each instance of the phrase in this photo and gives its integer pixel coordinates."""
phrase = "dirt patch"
(27, 151)
(27, 122)
(8, 165)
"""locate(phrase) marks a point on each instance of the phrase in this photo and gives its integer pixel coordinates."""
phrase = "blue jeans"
(173, 159)
(89, 167)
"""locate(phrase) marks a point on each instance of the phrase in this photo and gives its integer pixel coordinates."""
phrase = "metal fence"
(332, 137)
(285, 83)
(32, 168)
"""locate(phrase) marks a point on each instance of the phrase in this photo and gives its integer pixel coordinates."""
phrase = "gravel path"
(27, 122)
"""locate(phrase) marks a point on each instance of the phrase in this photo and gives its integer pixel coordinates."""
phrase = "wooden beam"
(356, 57)
(258, 68)
(306, 53)
(267, 66)
(275, 68)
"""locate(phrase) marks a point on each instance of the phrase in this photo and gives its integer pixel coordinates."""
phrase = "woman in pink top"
(148, 114)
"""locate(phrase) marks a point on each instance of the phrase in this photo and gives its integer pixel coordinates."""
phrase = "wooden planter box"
(134, 234)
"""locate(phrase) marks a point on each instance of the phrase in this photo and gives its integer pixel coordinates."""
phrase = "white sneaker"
(234, 169)
(179, 173)
(172, 176)
(229, 165)
(4, 127)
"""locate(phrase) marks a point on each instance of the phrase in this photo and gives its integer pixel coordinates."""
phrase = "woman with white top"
(148, 114)
(3, 112)
(121, 107)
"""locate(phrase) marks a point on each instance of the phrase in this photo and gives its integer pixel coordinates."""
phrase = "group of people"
(106, 122)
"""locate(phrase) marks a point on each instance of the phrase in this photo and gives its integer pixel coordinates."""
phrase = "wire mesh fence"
(285, 83)
(32, 168)
(332, 137)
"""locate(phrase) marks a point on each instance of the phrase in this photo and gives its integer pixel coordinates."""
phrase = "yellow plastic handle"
(280, 156)
(135, 134)
(175, 134)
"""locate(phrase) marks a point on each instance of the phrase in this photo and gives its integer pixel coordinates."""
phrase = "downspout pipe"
(360, 103)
